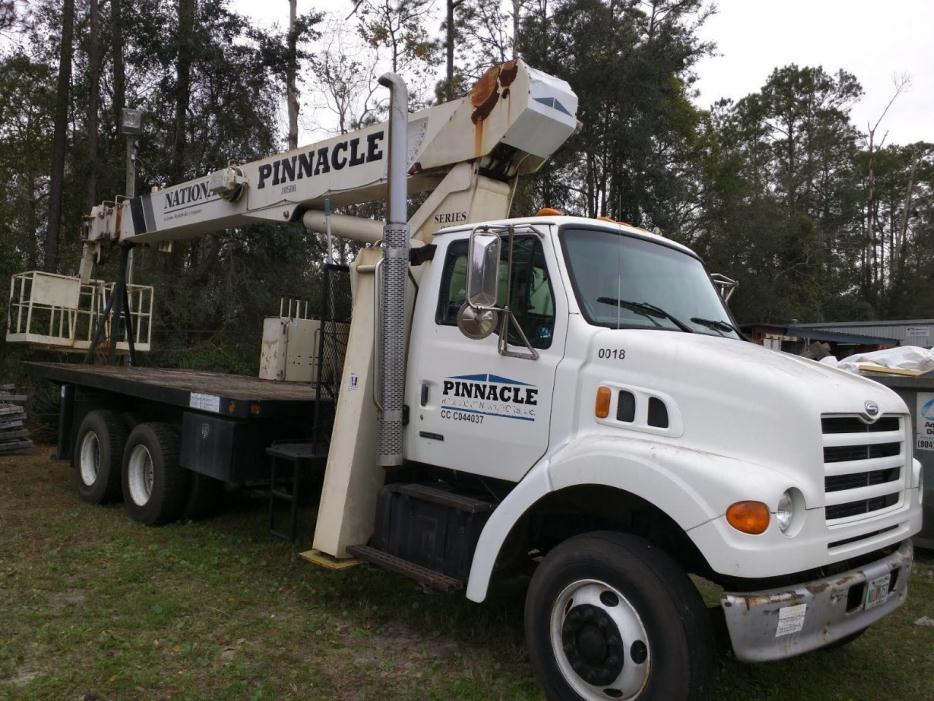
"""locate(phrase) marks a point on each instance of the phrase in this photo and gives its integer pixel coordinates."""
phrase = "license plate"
(877, 591)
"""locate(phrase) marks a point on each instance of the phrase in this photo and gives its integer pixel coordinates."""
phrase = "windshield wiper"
(646, 309)
(715, 324)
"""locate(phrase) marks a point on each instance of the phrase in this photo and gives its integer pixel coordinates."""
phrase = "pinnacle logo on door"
(471, 398)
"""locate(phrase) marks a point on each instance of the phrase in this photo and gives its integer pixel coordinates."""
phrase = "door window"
(531, 298)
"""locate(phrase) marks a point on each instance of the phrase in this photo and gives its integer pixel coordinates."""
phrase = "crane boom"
(467, 152)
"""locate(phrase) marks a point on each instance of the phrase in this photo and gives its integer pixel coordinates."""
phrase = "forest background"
(819, 218)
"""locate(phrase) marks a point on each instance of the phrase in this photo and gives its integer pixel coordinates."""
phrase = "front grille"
(863, 506)
(862, 465)
(838, 483)
(845, 453)
(854, 424)
(862, 536)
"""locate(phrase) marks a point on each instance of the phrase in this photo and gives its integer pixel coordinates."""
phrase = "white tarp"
(902, 358)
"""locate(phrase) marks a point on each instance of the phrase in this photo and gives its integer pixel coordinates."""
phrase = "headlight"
(785, 511)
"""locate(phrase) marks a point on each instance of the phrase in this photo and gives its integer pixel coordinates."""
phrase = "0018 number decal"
(611, 354)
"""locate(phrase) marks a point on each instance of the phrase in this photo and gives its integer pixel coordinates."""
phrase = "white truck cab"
(592, 373)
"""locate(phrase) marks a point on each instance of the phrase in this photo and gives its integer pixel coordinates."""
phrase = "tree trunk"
(869, 274)
(449, 47)
(32, 213)
(290, 71)
(63, 94)
(902, 240)
(94, 61)
(116, 43)
(185, 41)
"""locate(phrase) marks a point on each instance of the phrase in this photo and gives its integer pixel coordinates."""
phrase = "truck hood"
(741, 400)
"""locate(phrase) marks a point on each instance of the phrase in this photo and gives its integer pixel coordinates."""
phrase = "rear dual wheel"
(142, 467)
(97, 456)
(156, 488)
(154, 484)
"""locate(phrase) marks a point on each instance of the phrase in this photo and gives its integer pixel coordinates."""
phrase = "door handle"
(423, 399)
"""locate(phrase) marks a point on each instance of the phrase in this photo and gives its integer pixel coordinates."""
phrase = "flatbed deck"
(212, 392)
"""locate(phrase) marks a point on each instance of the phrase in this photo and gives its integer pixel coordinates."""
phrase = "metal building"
(912, 332)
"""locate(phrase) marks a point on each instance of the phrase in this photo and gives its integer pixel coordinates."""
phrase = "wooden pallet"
(882, 370)
(15, 447)
(14, 437)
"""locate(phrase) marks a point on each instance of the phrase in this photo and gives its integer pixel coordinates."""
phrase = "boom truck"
(553, 394)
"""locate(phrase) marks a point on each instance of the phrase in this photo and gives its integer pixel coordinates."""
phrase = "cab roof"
(584, 222)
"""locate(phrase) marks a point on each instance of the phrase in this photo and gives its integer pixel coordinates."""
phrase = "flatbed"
(226, 422)
(235, 396)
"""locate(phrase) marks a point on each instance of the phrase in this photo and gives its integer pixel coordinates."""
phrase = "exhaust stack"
(395, 269)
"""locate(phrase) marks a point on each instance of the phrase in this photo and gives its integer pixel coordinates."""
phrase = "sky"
(875, 40)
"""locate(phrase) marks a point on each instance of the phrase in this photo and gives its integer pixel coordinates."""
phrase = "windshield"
(622, 281)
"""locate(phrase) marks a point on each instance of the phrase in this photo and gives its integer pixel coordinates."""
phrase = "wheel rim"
(140, 475)
(89, 461)
(599, 641)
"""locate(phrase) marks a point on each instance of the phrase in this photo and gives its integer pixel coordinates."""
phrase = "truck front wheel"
(154, 484)
(97, 456)
(610, 616)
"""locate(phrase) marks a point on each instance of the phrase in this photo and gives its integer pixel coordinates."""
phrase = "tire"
(155, 486)
(98, 455)
(204, 496)
(610, 616)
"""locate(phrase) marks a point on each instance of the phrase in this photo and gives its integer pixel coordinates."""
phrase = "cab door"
(472, 408)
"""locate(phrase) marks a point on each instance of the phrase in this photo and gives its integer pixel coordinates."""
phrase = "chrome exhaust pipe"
(395, 270)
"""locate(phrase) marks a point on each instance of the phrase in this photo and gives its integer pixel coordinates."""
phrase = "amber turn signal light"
(602, 405)
(748, 516)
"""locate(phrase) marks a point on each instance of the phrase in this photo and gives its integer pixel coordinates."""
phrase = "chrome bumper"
(778, 623)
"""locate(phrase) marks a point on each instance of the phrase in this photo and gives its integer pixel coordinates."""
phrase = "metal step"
(423, 575)
(305, 450)
(452, 500)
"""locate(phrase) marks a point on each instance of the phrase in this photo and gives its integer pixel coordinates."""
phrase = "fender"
(689, 486)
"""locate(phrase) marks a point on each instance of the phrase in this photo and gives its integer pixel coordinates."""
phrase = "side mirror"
(725, 286)
(483, 269)
(475, 323)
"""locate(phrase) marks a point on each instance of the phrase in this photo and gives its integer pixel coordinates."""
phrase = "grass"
(94, 607)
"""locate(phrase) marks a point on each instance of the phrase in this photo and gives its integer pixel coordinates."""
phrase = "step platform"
(422, 575)
(288, 463)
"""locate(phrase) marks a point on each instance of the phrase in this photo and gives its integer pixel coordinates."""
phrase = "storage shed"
(910, 332)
